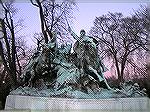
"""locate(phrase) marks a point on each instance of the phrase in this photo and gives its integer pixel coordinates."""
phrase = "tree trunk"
(122, 70)
(13, 69)
(118, 70)
(13, 84)
(9, 65)
(6, 41)
(43, 25)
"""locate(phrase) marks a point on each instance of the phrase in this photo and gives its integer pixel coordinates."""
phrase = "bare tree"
(144, 14)
(53, 16)
(119, 38)
(11, 47)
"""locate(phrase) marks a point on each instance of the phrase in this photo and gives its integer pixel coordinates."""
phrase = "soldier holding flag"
(89, 63)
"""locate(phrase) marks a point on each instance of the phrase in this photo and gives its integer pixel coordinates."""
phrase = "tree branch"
(33, 3)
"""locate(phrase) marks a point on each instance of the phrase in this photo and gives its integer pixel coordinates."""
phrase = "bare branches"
(34, 3)
(53, 16)
(120, 37)
(11, 50)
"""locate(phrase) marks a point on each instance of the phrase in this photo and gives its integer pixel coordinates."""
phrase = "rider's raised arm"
(73, 34)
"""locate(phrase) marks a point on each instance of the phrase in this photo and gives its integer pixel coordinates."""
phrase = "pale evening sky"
(84, 14)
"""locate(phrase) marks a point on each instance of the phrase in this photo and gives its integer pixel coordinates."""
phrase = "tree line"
(123, 39)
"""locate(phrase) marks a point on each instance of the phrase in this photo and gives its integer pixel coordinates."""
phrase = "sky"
(84, 14)
(88, 11)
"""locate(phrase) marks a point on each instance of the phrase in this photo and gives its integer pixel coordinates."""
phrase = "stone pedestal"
(48, 104)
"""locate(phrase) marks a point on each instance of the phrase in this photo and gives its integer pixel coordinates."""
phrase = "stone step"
(34, 104)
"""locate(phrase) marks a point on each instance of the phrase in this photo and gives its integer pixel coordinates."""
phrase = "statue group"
(57, 72)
